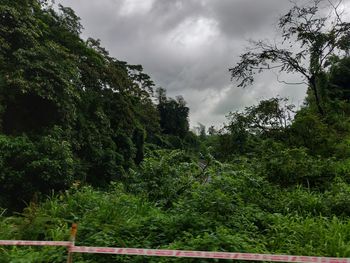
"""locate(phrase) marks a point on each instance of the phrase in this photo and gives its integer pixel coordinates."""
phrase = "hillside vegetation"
(86, 138)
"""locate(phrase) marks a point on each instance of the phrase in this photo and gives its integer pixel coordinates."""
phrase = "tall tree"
(308, 41)
(173, 114)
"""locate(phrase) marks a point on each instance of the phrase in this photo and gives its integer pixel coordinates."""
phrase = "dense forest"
(86, 138)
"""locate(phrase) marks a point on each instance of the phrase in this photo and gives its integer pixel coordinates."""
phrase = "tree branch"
(289, 83)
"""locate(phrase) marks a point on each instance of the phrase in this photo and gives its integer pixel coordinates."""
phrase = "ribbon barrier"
(35, 243)
(70, 245)
(207, 254)
(175, 253)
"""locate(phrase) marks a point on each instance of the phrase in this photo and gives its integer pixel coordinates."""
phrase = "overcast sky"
(187, 46)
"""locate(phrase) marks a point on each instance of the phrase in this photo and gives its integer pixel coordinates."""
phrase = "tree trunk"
(312, 82)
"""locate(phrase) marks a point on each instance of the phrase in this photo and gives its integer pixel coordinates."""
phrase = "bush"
(28, 167)
(317, 236)
(290, 167)
(164, 176)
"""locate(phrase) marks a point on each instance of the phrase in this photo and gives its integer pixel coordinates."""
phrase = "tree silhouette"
(309, 41)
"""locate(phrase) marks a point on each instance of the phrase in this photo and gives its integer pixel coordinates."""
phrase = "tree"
(52, 80)
(318, 40)
(200, 130)
(173, 114)
(212, 130)
(267, 118)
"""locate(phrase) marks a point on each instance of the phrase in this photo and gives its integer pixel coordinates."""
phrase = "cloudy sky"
(187, 46)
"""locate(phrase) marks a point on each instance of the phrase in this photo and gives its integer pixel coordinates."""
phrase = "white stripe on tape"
(207, 254)
(34, 243)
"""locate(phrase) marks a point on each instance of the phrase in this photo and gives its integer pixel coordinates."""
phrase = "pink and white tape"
(176, 253)
(207, 254)
(34, 243)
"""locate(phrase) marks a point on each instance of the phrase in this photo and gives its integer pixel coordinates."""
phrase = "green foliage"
(339, 79)
(310, 131)
(294, 166)
(173, 114)
(337, 198)
(266, 119)
(319, 236)
(164, 176)
(247, 129)
(139, 140)
(29, 167)
(304, 202)
(224, 209)
(52, 80)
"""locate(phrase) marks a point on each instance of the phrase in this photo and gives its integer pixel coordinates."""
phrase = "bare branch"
(268, 67)
(335, 8)
(290, 83)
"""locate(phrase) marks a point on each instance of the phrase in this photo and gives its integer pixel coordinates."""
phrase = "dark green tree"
(173, 114)
(52, 80)
(339, 79)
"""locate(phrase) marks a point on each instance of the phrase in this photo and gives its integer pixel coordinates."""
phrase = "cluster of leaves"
(29, 167)
(61, 95)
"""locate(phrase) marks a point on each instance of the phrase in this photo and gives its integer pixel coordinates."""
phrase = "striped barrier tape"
(176, 253)
(207, 254)
(35, 243)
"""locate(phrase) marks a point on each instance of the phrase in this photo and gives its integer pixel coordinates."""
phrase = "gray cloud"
(242, 17)
(187, 46)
